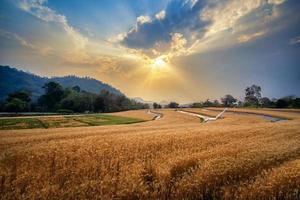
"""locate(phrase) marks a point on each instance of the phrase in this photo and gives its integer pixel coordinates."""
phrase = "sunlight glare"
(159, 63)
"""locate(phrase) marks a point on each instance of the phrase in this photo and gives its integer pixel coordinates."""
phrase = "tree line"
(69, 100)
(253, 98)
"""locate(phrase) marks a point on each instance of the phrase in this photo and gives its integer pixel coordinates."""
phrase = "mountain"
(86, 83)
(150, 103)
(164, 103)
(140, 100)
(12, 80)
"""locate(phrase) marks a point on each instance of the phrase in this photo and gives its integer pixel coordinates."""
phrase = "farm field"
(174, 157)
(65, 121)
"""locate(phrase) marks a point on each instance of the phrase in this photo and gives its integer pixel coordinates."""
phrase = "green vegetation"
(173, 105)
(156, 106)
(69, 100)
(13, 80)
(99, 120)
(252, 99)
(18, 101)
(65, 121)
(60, 121)
(206, 103)
(20, 123)
(16, 105)
(228, 100)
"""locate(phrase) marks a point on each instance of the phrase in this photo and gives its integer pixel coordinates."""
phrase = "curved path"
(265, 116)
(205, 118)
(157, 115)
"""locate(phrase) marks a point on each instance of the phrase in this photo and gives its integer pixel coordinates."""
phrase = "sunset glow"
(210, 47)
(159, 63)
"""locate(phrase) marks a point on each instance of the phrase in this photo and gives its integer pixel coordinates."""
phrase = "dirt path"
(205, 118)
(157, 115)
(267, 117)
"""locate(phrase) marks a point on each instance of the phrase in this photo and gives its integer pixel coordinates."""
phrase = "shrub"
(65, 111)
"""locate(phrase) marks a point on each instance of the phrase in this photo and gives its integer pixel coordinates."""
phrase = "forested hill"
(12, 80)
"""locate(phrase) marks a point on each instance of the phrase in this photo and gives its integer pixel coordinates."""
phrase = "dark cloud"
(180, 16)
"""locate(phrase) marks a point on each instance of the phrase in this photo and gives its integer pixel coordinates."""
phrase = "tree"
(207, 103)
(17, 101)
(228, 100)
(156, 106)
(285, 102)
(265, 102)
(216, 103)
(252, 95)
(240, 103)
(54, 93)
(296, 103)
(79, 102)
(55, 90)
(22, 95)
(109, 101)
(281, 103)
(2, 106)
(99, 104)
(76, 88)
(288, 102)
(123, 102)
(173, 105)
(16, 105)
(197, 105)
(69, 102)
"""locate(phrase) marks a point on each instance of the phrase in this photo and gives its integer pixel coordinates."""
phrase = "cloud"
(104, 62)
(181, 28)
(199, 23)
(276, 2)
(249, 37)
(295, 40)
(16, 37)
(161, 15)
(38, 9)
(178, 42)
(179, 16)
(82, 51)
(225, 15)
(142, 20)
(25, 43)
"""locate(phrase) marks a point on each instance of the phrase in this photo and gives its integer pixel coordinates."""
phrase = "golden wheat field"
(175, 157)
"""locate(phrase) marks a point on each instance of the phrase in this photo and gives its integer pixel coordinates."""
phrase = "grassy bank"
(64, 121)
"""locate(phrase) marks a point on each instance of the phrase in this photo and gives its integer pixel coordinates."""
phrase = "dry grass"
(175, 157)
(139, 114)
(284, 113)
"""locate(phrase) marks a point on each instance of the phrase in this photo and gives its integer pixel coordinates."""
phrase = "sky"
(159, 50)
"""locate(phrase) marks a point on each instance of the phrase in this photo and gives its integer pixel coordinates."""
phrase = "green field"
(64, 121)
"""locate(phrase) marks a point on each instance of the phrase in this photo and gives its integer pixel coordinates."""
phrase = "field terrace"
(175, 157)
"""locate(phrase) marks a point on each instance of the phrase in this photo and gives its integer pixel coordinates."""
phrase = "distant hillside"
(140, 100)
(86, 83)
(12, 80)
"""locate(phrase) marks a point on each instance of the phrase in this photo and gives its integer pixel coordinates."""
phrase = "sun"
(159, 63)
(158, 68)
